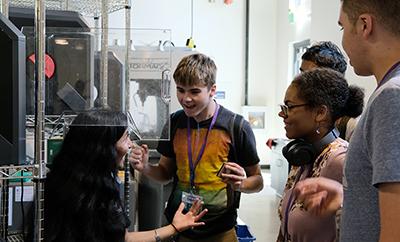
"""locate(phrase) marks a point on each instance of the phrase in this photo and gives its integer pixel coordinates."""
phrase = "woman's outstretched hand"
(321, 196)
(185, 221)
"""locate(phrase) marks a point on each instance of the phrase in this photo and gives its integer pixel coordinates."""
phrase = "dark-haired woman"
(313, 102)
(82, 199)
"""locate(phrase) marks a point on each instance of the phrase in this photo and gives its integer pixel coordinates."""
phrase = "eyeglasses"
(285, 108)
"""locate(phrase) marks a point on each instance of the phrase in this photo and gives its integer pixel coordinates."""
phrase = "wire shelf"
(53, 124)
(84, 7)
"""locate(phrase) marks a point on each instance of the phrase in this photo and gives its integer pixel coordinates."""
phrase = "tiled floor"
(260, 212)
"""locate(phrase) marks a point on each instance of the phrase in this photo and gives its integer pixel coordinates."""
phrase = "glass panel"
(75, 82)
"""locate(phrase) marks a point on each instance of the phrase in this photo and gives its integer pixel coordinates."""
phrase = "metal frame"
(86, 8)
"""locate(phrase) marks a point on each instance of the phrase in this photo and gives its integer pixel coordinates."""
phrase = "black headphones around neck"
(300, 152)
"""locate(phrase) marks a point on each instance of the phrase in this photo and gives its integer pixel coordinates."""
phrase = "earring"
(318, 132)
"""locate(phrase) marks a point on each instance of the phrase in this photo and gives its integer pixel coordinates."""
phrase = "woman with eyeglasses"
(313, 102)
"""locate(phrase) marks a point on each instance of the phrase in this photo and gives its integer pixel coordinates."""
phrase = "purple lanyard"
(189, 135)
(290, 202)
(387, 73)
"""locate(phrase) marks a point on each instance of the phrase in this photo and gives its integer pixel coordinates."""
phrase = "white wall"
(219, 31)
(262, 67)
(287, 34)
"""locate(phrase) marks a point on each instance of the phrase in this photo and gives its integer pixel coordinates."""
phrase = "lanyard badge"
(193, 165)
(189, 198)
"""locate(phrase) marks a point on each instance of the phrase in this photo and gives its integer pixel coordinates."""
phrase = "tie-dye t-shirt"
(220, 200)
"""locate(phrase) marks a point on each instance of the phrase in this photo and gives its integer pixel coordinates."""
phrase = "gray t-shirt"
(373, 157)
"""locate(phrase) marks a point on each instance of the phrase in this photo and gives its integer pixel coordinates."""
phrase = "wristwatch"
(157, 236)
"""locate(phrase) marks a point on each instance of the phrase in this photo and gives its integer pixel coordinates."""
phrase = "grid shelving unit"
(85, 7)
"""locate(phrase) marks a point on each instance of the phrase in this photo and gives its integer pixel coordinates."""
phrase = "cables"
(191, 25)
(190, 41)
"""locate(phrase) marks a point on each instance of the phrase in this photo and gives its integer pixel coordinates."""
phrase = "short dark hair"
(386, 12)
(324, 86)
(196, 69)
(326, 54)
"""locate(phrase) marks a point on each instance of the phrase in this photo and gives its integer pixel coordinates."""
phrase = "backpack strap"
(236, 140)
(236, 136)
(175, 119)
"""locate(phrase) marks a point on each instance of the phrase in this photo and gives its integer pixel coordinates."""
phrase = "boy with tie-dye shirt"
(200, 144)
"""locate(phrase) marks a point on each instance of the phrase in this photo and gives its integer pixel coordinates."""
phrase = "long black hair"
(82, 201)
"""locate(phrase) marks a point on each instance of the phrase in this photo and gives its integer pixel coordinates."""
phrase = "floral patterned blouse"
(298, 225)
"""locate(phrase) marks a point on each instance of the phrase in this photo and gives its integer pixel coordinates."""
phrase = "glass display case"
(136, 79)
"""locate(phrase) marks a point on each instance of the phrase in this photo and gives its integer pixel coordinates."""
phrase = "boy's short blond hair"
(196, 69)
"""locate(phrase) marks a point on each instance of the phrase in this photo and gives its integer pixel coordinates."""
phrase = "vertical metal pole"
(4, 183)
(4, 7)
(127, 53)
(4, 208)
(40, 24)
(126, 97)
(246, 64)
(104, 54)
(97, 30)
